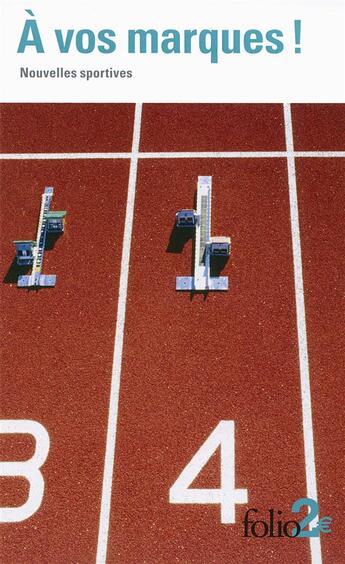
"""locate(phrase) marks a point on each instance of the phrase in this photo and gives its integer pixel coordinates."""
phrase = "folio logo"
(29, 469)
(277, 528)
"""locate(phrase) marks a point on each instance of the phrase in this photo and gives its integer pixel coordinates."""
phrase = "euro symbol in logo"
(323, 524)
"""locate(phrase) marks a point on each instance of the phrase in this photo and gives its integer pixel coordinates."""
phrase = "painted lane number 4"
(227, 496)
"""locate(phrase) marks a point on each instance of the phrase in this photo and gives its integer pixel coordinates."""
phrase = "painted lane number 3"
(227, 496)
(29, 469)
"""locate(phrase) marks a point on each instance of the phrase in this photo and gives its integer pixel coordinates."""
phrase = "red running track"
(63, 128)
(187, 363)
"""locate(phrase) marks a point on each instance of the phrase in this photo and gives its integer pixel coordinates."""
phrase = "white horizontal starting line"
(240, 154)
(177, 155)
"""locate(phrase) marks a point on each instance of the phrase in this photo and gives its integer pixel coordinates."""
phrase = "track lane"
(320, 188)
(212, 127)
(319, 127)
(57, 349)
(66, 128)
(188, 363)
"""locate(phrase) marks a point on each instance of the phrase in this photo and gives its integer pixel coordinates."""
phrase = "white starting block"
(202, 280)
(32, 252)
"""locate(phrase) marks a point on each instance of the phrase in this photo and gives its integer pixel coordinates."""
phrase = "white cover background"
(315, 75)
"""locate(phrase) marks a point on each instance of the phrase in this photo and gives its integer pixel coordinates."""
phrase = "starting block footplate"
(215, 283)
(44, 280)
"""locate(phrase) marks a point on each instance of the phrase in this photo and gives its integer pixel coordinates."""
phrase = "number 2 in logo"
(322, 526)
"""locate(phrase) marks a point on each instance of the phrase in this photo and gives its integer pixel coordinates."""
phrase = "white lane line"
(241, 154)
(53, 156)
(213, 155)
(309, 454)
(318, 154)
(118, 348)
(177, 155)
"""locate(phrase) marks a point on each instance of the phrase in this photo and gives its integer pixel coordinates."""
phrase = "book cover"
(172, 286)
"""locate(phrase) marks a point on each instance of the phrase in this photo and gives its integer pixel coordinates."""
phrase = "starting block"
(204, 245)
(32, 252)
